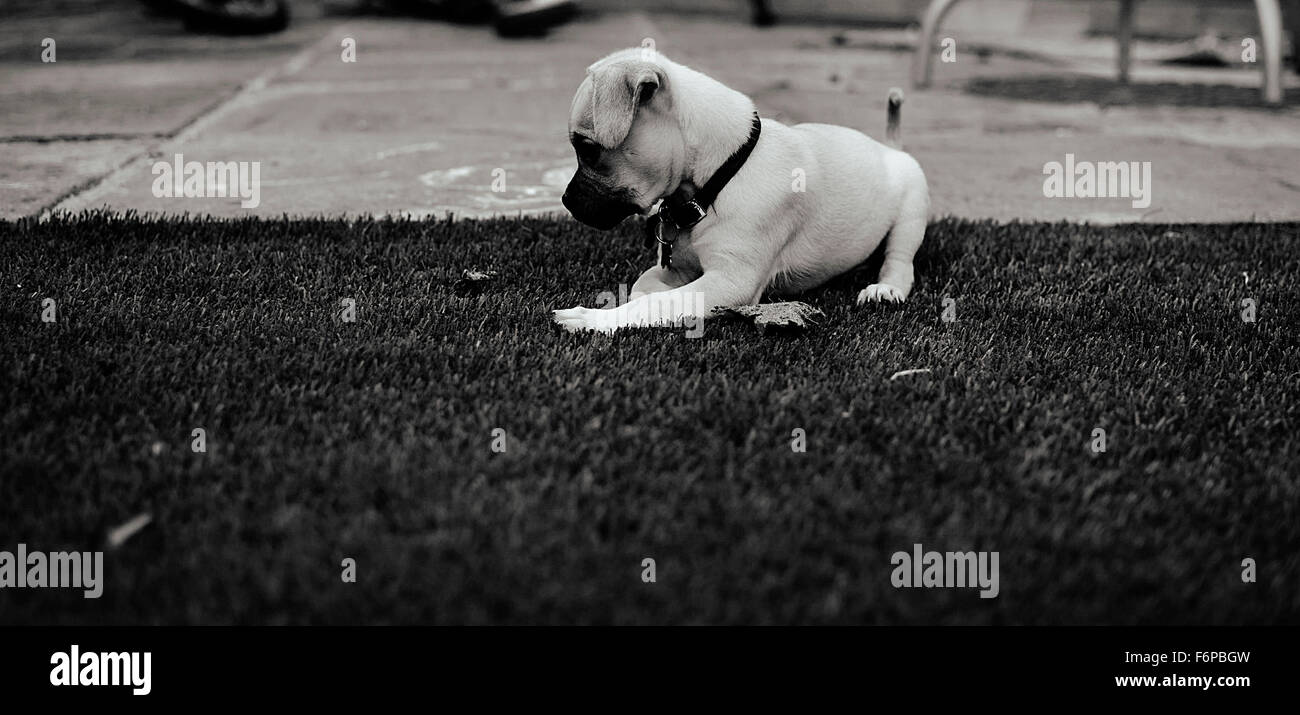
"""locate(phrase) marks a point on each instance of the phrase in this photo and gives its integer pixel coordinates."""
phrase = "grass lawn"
(372, 440)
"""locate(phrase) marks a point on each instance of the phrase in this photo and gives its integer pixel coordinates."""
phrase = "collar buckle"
(694, 213)
(684, 214)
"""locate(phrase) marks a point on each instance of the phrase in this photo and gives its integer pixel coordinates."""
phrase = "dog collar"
(685, 209)
(687, 206)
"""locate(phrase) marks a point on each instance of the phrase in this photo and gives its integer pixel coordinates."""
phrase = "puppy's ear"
(618, 89)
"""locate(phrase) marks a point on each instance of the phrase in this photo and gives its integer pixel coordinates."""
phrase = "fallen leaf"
(471, 280)
(790, 316)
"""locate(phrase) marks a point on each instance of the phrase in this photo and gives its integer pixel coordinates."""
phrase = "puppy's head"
(628, 140)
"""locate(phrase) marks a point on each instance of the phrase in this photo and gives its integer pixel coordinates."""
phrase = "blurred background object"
(524, 18)
(511, 18)
(1267, 46)
(226, 17)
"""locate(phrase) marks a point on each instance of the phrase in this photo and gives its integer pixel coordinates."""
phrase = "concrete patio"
(420, 122)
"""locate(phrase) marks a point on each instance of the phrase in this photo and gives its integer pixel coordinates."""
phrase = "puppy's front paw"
(881, 293)
(579, 318)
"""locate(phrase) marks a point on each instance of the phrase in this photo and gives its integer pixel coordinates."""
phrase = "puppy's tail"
(895, 112)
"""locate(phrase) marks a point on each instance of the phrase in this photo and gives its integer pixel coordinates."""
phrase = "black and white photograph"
(981, 315)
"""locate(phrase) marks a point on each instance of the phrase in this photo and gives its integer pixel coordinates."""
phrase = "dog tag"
(665, 235)
(652, 231)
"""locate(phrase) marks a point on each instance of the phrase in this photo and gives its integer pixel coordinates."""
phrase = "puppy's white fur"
(761, 232)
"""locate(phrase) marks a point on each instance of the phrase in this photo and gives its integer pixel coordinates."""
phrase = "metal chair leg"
(923, 60)
(1270, 25)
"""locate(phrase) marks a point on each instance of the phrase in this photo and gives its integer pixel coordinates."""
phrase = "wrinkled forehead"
(580, 114)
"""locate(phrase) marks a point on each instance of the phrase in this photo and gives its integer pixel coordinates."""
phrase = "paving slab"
(31, 180)
(435, 118)
(121, 81)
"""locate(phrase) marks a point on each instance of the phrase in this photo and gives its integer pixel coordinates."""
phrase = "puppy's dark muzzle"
(599, 213)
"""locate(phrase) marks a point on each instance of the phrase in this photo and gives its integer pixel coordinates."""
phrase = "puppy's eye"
(588, 150)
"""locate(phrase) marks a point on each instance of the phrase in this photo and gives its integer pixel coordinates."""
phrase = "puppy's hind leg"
(896, 276)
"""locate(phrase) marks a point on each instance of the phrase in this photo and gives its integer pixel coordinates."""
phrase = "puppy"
(796, 205)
